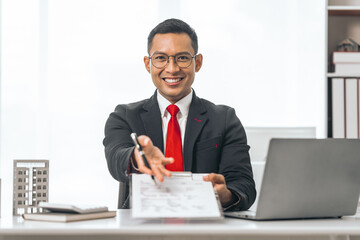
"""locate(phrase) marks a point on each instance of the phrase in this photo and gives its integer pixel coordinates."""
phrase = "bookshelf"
(343, 21)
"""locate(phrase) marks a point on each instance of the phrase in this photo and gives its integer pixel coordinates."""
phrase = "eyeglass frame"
(168, 60)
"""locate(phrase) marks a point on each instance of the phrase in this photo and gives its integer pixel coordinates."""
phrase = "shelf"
(337, 75)
(343, 10)
(342, 22)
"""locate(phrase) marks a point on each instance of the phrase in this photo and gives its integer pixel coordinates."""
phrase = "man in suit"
(195, 134)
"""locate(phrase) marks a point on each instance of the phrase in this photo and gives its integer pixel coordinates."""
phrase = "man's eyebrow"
(183, 53)
(159, 52)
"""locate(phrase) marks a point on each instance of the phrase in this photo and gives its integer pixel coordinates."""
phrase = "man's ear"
(147, 63)
(198, 62)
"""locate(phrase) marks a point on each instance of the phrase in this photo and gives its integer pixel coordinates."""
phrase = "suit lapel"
(151, 118)
(195, 122)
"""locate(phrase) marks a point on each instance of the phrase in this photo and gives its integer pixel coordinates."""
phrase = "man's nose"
(172, 65)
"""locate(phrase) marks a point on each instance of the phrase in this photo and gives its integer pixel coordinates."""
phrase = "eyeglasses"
(161, 60)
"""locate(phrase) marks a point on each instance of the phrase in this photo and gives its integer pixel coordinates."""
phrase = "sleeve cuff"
(131, 166)
(235, 202)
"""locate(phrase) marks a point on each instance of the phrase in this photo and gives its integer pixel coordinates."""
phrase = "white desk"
(124, 227)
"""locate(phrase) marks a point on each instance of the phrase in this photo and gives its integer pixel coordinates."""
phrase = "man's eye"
(183, 58)
(160, 58)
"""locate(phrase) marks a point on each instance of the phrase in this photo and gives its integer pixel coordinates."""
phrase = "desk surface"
(125, 226)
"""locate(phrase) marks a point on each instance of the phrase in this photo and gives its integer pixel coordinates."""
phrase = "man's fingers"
(165, 172)
(146, 170)
(168, 160)
(155, 159)
(218, 182)
(217, 178)
(158, 174)
(160, 171)
(214, 178)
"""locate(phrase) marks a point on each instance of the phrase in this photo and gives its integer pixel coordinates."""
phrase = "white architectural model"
(31, 185)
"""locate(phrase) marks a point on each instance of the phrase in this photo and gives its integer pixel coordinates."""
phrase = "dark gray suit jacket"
(215, 141)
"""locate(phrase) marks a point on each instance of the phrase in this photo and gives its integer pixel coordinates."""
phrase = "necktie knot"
(173, 109)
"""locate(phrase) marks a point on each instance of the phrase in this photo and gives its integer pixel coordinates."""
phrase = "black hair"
(173, 25)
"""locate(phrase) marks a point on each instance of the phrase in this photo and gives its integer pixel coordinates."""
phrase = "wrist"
(229, 199)
(133, 161)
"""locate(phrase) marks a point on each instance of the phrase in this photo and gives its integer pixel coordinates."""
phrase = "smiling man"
(180, 131)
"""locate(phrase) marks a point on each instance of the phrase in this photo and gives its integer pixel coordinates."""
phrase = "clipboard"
(184, 195)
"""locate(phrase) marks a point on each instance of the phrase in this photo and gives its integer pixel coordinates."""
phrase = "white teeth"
(172, 80)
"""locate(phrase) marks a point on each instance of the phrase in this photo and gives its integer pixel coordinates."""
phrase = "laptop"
(308, 178)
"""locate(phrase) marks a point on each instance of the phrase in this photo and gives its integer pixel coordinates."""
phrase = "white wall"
(67, 64)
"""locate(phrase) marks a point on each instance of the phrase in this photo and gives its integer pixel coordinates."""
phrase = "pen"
(142, 154)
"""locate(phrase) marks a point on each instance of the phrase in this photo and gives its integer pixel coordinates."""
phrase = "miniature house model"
(348, 45)
(31, 185)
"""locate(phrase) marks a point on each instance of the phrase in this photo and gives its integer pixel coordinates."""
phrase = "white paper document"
(185, 196)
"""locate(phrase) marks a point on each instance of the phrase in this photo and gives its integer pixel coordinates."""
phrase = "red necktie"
(173, 141)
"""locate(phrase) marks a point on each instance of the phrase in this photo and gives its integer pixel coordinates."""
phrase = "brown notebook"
(67, 217)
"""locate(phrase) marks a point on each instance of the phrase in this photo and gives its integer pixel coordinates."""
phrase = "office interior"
(65, 65)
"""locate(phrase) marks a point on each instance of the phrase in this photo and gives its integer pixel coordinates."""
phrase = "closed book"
(351, 108)
(346, 57)
(67, 217)
(338, 107)
(348, 68)
(72, 208)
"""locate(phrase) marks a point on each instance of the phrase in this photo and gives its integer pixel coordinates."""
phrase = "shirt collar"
(183, 104)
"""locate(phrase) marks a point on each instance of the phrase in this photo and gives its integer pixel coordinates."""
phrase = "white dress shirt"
(182, 115)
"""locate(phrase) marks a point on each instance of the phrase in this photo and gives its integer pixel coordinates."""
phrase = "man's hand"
(218, 181)
(155, 158)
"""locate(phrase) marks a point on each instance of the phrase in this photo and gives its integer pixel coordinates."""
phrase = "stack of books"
(347, 63)
(55, 212)
(346, 95)
(346, 107)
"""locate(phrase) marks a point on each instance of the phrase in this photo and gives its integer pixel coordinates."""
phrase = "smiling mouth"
(172, 80)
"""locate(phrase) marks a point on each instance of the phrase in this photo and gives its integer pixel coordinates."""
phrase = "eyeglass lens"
(160, 60)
